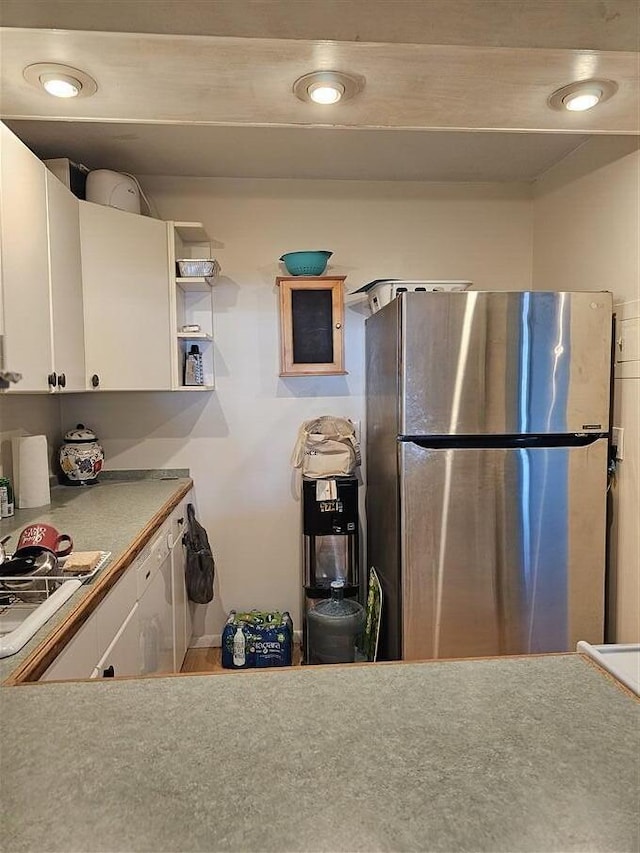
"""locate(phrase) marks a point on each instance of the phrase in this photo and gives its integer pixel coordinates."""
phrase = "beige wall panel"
(238, 440)
(32, 414)
(587, 237)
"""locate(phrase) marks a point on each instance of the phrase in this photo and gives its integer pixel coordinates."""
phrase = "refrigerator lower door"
(502, 549)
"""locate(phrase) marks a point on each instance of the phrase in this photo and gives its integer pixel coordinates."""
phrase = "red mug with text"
(38, 537)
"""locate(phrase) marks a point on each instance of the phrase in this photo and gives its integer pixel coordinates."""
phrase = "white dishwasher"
(155, 607)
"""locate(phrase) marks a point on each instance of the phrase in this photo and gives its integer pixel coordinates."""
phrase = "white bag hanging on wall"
(326, 447)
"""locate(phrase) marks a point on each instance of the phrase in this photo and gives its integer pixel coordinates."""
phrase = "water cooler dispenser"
(330, 536)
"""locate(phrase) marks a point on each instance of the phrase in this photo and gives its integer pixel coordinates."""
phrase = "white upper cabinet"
(88, 293)
(66, 286)
(126, 292)
(41, 276)
(25, 265)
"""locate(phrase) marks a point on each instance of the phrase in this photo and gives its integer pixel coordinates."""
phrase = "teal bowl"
(306, 263)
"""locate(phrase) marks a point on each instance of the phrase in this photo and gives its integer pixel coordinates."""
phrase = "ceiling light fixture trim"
(60, 80)
(582, 95)
(327, 87)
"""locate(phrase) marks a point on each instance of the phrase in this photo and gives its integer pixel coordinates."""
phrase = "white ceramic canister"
(81, 456)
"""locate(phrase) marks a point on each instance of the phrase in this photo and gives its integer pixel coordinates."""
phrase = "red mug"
(38, 537)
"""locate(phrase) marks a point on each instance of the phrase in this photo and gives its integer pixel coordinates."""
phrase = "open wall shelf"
(192, 304)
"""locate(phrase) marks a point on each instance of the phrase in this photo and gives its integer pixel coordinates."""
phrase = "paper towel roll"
(31, 471)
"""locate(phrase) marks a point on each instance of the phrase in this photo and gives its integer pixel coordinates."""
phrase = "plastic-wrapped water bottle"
(334, 625)
(239, 655)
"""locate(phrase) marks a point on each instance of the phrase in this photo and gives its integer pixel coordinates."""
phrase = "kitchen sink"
(20, 620)
(12, 617)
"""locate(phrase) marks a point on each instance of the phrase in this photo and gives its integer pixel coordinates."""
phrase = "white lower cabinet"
(121, 658)
(114, 610)
(181, 615)
(142, 626)
(156, 615)
(78, 658)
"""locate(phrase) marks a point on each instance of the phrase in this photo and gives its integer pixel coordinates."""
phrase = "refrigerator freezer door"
(479, 363)
(502, 550)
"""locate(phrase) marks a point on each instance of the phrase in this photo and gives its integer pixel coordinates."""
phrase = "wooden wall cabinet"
(311, 325)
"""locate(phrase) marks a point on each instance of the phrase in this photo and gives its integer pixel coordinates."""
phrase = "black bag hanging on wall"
(200, 567)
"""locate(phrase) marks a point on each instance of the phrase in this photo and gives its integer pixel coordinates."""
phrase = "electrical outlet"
(617, 439)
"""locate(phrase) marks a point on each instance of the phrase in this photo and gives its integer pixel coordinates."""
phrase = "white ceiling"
(261, 152)
(203, 87)
(572, 24)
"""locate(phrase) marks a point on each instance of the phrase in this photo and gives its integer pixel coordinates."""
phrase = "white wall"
(586, 237)
(237, 441)
(29, 414)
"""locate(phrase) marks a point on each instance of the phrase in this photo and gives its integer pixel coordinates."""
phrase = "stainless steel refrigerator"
(487, 446)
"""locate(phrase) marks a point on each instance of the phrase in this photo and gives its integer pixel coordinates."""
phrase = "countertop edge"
(594, 664)
(43, 655)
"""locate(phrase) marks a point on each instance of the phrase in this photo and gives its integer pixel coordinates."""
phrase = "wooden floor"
(208, 660)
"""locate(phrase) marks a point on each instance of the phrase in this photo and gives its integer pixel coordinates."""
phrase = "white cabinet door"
(156, 622)
(180, 604)
(25, 264)
(66, 285)
(79, 656)
(125, 274)
(118, 603)
(121, 658)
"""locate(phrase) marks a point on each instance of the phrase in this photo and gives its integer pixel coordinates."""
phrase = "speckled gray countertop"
(527, 754)
(104, 517)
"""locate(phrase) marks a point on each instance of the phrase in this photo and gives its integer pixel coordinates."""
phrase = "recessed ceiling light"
(325, 93)
(582, 95)
(60, 85)
(62, 81)
(580, 101)
(327, 87)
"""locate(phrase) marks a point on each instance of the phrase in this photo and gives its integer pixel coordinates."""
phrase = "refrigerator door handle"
(498, 442)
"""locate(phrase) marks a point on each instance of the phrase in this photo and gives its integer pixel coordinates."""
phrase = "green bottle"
(6, 498)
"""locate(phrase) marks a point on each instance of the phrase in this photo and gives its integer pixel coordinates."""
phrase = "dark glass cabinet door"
(311, 325)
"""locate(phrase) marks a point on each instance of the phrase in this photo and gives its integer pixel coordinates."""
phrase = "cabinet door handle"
(109, 672)
(52, 380)
(338, 325)
(95, 380)
(62, 381)
(180, 521)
